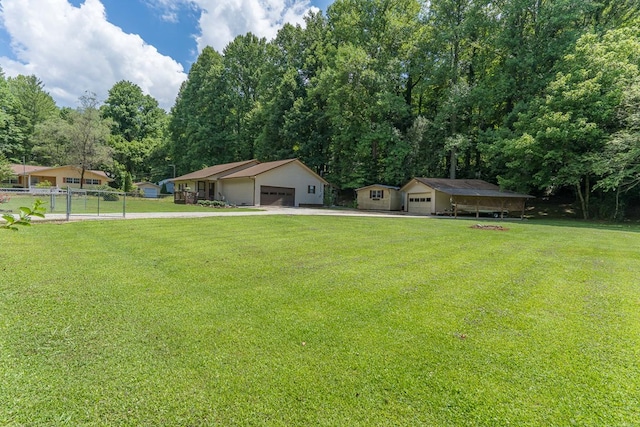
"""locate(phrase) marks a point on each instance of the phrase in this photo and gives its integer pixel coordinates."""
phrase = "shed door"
(277, 196)
(419, 203)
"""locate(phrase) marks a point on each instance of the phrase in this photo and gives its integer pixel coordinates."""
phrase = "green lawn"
(331, 321)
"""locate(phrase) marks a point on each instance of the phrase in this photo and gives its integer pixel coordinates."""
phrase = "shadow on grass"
(544, 212)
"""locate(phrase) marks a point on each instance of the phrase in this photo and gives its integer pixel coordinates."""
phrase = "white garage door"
(419, 203)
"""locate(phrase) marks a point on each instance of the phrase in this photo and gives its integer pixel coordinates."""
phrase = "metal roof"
(468, 187)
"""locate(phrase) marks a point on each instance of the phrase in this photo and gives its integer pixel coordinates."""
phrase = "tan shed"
(378, 197)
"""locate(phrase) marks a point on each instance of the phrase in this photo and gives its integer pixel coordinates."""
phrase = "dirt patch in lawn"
(489, 227)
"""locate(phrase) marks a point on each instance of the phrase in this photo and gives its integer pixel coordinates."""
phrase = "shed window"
(311, 189)
(376, 194)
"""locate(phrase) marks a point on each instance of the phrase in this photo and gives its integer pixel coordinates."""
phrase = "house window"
(68, 180)
(90, 181)
(11, 180)
(376, 194)
(311, 189)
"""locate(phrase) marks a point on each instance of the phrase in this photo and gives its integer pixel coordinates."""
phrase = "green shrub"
(110, 197)
(212, 203)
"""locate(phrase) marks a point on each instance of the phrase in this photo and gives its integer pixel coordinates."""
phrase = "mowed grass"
(330, 321)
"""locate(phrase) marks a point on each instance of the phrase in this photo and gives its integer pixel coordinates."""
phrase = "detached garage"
(437, 196)
(149, 189)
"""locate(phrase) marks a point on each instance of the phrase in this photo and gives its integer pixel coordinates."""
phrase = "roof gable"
(387, 187)
(216, 171)
(261, 168)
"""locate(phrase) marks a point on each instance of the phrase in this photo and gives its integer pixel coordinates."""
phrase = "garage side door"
(277, 196)
(419, 203)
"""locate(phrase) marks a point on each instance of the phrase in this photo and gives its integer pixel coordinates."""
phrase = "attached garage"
(277, 196)
(279, 183)
(420, 203)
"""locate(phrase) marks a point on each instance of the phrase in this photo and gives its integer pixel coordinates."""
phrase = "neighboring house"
(379, 197)
(168, 183)
(149, 189)
(435, 196)
(28, 176)
(251, 183)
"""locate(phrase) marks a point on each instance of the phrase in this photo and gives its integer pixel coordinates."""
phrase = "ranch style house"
(252, 183)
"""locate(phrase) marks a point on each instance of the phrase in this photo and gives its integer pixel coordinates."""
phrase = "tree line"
(538, 96)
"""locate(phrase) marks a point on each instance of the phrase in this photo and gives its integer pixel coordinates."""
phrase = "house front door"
(201, 189)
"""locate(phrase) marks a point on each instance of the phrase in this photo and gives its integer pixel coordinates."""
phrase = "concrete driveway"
(210, 212)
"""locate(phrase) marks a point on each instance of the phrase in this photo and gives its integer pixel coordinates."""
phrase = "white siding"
(239, 192)
(291, 175)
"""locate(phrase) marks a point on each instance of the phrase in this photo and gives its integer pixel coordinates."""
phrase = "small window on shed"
(311, 189)
(376, 194)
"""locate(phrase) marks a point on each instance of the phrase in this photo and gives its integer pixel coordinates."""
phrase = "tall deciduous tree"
(568, 127)
(88, 136)
(137, 128)
(244, 62)
(12, 123)
(5, 169)
(35, 106)
(52, 141)
(200, 119)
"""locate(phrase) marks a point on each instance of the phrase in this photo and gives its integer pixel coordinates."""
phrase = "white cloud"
(74, 49)
(222, 20)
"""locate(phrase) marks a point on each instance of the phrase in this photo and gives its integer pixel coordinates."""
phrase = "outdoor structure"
(435, 196)
(149, 189)
(27, 176)
(251, 183)
(379, 197)
(168, 183)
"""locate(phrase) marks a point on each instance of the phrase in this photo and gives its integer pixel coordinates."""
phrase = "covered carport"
(495, 203)
(440, 196)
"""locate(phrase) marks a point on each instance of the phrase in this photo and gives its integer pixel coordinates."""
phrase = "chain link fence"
(70, 202)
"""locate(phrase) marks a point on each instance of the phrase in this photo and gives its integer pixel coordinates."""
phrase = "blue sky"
(75, 46)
